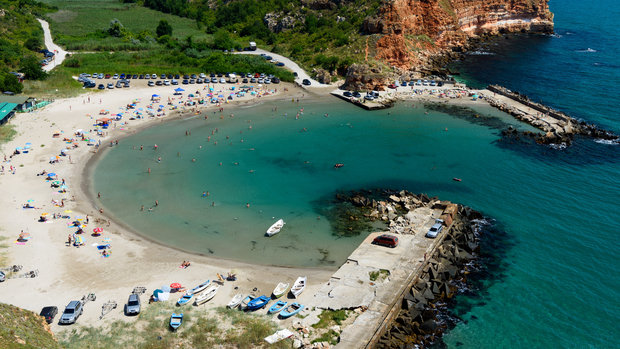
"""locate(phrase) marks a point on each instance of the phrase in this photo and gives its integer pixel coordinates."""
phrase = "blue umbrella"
(155, 96)
(51, 174)
(178, 89)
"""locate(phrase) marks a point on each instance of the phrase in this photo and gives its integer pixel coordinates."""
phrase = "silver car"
(133, 305)
(435, 229)
(2, 276)
(72, 312)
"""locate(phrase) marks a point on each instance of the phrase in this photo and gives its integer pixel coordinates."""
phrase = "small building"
(23, 102)
(7, 110)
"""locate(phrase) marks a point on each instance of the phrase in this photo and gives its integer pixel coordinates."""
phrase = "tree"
(222, 40)
(32, 69)
(34, 43)
(9, 82)
(116, 28)
(163, 28)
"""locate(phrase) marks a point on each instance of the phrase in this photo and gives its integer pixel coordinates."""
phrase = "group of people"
(185, 264)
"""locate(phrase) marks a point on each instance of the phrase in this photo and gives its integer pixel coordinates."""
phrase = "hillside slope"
(21, 328)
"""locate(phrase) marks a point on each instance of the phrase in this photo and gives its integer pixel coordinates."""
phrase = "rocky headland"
(416, 38)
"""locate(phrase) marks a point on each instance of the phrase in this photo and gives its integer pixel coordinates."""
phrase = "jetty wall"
(518, 97)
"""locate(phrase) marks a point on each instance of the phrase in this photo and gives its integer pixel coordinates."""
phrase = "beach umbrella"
(44, 214)
(98, 230)
(68, 211)
(155, 96)
(51, 174)
(175, 285)
(18, 148)
(30, 200)
(178, 89)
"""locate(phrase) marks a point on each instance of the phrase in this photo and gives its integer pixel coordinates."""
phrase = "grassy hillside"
(80, 25)
(21, 328)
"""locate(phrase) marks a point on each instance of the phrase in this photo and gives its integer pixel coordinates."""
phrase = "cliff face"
(414, 32)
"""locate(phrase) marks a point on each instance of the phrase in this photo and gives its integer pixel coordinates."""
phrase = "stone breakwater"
(418, 302)
(424, 307)
(559, 128)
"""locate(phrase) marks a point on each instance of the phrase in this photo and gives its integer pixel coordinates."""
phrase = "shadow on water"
(468, 114)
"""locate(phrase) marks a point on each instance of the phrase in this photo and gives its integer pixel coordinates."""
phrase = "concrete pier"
(380, 301)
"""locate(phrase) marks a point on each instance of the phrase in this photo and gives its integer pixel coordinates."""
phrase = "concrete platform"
(350, 287)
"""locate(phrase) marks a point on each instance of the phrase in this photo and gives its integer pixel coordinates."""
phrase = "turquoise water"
(283, 168)
(556, 284)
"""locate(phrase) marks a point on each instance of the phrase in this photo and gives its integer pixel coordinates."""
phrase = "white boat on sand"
(281, 289)
(275, 228)
(208, 294)
(299, 286)
(235, 301)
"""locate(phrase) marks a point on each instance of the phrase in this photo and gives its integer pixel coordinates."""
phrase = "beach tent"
(178, 89)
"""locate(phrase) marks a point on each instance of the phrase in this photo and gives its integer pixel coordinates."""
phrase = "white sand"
(68, 273)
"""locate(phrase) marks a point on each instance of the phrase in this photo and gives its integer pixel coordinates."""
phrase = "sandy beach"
(66, 272)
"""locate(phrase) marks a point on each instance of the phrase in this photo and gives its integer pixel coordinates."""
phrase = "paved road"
(49, 44)
(301, 74)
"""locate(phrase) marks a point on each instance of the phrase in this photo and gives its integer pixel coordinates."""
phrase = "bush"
(34, 43)
(32, 69)
(9, 82)
(163, 28)
(72, 62)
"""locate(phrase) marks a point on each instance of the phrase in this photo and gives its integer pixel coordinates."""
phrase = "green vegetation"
(83, 25)
(201, 329)
(21, 328)
(378, 275)
(59, 83)
(331, 336)
(331, 317)
(21, 39)
(7, 133)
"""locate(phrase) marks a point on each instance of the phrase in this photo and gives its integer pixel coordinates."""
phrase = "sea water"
(554, 283)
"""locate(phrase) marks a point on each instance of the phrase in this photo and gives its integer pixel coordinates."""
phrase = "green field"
(76, 23)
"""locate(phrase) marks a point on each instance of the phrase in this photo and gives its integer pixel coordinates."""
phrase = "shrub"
(163, 28)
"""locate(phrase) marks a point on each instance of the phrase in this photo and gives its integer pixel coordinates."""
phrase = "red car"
(386, 240)
(392, 86)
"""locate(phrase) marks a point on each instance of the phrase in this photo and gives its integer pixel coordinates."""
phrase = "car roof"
(73, 304)
(133, 296)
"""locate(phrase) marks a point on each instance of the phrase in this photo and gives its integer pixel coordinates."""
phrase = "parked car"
(386, 240)
(159, 83)
(392, 86)
(101, 87)
(151, 83)
(107, 76)
(185, 77)
(199, 81)
(245, 81)
(175, 81)
(167, 82)
(49, 313)
(357, 94)
(177, 76)
(153, 76)
(162, 76)
(185, 82)
(275, 80)
(347, 94)
(193, 76)
(222, 81)
(122, 76)
(306, 82)
(100, 76)
(214, 80)
(133, 305)
(147, 76)
(72, 312)
(435, 229)
(280, 64)
(90, 84)
(115, 76)
(119, 84)
(2, 276)
(135, 76)
(110, 85)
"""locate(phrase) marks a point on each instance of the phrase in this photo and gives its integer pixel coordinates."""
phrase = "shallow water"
(283, 168)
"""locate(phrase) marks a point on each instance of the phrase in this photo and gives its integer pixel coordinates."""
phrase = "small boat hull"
(299, 286)
(235, 301)
(186, 298)
(280, 290)
(258, 303)
(277, 307)
(246, 301)
(207, 295)
(200, 287)
(176, 320)
(275, 228)
(291, 310)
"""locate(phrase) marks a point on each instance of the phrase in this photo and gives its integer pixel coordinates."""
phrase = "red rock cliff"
(414, 31)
